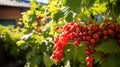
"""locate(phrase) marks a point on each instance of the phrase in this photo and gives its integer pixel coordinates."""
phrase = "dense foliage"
(8, 37)
(71, 33)
(91, 26)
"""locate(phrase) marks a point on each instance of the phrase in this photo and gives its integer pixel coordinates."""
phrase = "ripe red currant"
(57, 28)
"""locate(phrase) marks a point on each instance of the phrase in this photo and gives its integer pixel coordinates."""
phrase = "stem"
(74, 60)
(111, 9)
(110, 6)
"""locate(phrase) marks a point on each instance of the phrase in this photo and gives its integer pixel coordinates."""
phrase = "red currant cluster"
(110, 30)
(38, 19)
(91, 34)
(59, 47)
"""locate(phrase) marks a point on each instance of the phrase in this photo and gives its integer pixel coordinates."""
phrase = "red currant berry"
(103, 55)
(90, 22)
(105, 32)
(118, 35)
(106, 20)
(90, 32)
(92, 51)
(88, 38)
(110, 32)
(88, 53)
(81, 34)
(84, 38)
(77, 43)
(112, 26)
(87, 49)
(89, 59)
(93, 41)
(105, 38)
(87, 43)
(85, 33)
(57, 28)
(96, 36)
(89, 64)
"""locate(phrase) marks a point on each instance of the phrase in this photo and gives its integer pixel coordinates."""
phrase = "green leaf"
(59, 14)
(110, 46)
(30, 54)
(80, 53)
(82, 65)
(24, 47)
(111, 61)
(14, 52)
(69, 51)
(73, 5)
(47, 61)
(45, 33)
(32, 17)
(75, 53)
(96, 56)
(103, 1)
(21, 42)
(43, 47)
(116, 8)
(90, 3)
(69, 17)
(35, 61)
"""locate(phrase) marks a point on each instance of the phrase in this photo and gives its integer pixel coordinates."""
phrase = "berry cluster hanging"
(91, 34)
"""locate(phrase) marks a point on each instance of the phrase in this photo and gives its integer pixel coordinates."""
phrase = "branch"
(111, 9)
